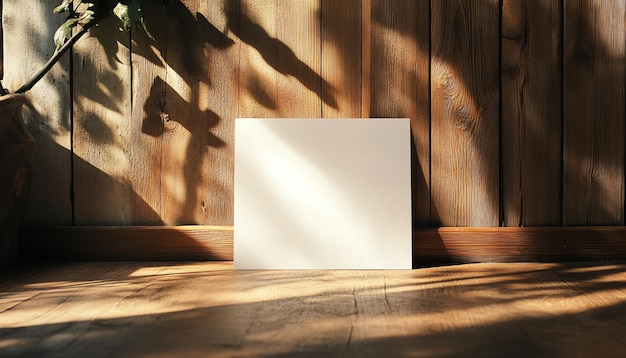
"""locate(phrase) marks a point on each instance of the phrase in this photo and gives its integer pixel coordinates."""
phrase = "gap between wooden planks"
(430, 245)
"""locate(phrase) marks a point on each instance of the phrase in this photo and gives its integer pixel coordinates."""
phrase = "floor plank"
(163, 309)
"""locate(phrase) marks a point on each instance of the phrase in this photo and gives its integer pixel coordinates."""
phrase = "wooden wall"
(517, 106)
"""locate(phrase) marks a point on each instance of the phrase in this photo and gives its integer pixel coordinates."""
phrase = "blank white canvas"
(322, 194)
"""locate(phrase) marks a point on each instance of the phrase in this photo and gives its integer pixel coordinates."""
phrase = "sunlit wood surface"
(208, 309)
(517, 106)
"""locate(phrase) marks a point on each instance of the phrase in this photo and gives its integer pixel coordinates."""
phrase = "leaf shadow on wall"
(184, 45)
(164, 111)
(472, 108)
(182, 41)
(399, 83)
(158, 118)
(189, 44)
(101, 187)
(277, 55)
(521, 190)
(191, 60)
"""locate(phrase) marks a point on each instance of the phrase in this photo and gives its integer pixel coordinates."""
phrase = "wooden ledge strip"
(430, 246)
(510, 244)
(151, 243)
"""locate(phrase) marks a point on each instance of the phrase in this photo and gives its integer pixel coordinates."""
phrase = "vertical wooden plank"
(366, 57)
(465, 113)
(220, 97)
(148, 73)
(299, 83)
(400, 82)
(420, 126)
(256, 27)
(102, 127)
(531, 113)
(341, 58)
(186, 125)
(594, 61)
(28, 30)
(1, 44)
(280, 59)
(198, 97)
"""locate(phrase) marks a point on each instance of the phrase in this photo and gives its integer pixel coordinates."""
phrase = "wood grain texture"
(129, 243)
(342, 58)
(510, 244)
(400, 81)
(327, 322)
(367, 46)
(531, 113)
(421, 124)
(132, 309)
(465, 113)
(148, 100)
(430, 246)
(221, 98)
(152, 131)
(178, 94)
(255, 26)
(280, 59)
(298, 81)
(190, 137)
(594, 113)
(102, 136)
(1, 45)
(28, 45)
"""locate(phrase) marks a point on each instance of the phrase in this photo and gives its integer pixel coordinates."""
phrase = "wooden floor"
(137, 309)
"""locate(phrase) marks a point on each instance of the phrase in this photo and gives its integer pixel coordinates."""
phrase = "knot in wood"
(168, 123)
(582, 54)
(449, 83)
(463, 117)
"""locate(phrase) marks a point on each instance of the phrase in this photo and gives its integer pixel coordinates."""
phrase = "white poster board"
(322, 194)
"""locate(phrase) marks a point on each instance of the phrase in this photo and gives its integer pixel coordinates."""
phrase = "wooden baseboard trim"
(430, 246)
(150, 243)
(526, 244)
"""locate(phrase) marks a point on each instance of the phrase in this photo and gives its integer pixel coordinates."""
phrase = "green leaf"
(64, 7)
(64, 32)
(129, 12)
(87, 15)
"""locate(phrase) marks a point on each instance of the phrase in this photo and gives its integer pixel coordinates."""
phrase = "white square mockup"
(322, 194)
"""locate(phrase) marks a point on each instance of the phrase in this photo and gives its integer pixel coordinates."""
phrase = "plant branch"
(56, 56)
